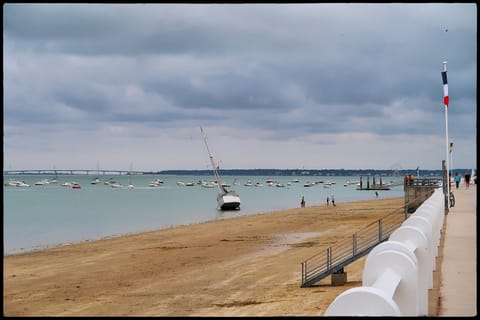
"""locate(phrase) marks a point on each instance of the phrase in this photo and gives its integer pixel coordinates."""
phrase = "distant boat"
(130, 185)
(75, 185)
(16, 183)
(185, 184)
(206, 184)
(115, 185)
(95, 180)
(42, 182)
(249, 183)
(155, 183)
(226, 199)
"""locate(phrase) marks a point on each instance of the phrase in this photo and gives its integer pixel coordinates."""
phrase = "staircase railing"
(337, 256)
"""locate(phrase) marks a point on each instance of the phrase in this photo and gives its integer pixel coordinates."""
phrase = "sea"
(36, 217)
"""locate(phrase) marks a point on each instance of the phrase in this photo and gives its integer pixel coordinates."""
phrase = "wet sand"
(246, 266)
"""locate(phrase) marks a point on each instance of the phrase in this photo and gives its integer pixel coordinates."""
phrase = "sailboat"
(226, 199)
(96, 180)
(130, 185)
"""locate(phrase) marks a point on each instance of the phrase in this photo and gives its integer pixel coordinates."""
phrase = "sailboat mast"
(219, 183)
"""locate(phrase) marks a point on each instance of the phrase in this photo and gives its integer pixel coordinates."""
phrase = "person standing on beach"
(302, 203)
(333, 201)
(457, 179)
(376, 194)
(328, 201)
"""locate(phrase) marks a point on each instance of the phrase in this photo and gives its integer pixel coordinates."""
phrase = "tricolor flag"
(445, 88)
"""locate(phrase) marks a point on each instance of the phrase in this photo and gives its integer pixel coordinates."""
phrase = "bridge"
(72, 171)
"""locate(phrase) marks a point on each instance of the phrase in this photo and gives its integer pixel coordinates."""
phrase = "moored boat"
(226, 199)
(75, 185)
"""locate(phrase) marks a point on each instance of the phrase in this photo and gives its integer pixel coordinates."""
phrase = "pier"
(374, 185)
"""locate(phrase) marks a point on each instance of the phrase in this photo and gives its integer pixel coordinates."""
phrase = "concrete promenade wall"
(399, 272)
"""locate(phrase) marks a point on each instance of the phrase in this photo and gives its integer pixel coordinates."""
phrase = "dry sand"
(246, 266)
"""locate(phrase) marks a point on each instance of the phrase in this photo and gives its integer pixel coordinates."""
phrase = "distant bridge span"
(72, 171)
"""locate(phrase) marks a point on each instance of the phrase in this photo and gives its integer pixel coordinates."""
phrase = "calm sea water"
(37, 217)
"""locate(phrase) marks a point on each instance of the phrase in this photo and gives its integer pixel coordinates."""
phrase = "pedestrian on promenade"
(333, 201)
(302, 203)
(457, 179)
(328, 201)
(467, 179)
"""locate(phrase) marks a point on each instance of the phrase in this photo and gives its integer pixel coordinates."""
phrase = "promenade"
(458, 271)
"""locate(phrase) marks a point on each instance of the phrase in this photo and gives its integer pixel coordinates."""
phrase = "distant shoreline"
(239, 172)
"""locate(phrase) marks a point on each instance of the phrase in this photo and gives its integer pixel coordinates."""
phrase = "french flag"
(445, 88)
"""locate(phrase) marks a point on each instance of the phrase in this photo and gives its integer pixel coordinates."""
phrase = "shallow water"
(36, 217)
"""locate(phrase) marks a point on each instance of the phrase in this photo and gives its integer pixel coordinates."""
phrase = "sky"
(307, 86)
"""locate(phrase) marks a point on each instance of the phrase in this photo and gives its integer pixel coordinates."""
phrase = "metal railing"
(339, 255)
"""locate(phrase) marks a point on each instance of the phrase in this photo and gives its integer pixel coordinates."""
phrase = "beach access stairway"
(342, 253)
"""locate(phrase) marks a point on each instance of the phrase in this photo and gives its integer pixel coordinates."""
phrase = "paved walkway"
(458, 281)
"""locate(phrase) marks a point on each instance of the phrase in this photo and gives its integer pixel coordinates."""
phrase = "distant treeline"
(310, 172)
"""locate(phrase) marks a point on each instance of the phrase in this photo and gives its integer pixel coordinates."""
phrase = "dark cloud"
(265, 73)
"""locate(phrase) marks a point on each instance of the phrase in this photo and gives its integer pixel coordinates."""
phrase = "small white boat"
(155, 183)
(95, 180)
(115, 185)
(42, 182)
(16, 183)
(11, 183)
(109, 181)
(206, 184)
(22, 184)
(249, 183)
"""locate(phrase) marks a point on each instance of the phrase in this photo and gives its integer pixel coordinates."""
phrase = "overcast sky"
(314, 86)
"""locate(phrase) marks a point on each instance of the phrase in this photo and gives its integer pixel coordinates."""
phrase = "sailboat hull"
(228, 202)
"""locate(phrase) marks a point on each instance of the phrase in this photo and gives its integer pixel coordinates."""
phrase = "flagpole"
(446, 142)
(450, 149)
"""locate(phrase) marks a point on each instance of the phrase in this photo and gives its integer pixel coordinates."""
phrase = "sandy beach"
(246, 266)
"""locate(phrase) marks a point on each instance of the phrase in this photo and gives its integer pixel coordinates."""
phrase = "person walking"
(333, 201)
(328, 201)
(457, 179)
(467, 179)
(376, 194)
(302, 203)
